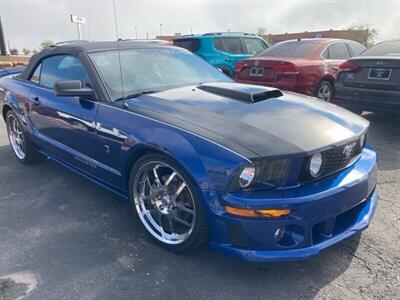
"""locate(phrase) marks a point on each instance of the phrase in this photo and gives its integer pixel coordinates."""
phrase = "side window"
(232, 45)
(338, 51)
(356, 48)
(36, 75)
(253, 45)
(62, 67)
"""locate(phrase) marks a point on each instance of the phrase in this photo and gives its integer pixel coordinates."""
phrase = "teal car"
(223, 49)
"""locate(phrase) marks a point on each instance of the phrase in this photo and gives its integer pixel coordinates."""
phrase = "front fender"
(209, 164)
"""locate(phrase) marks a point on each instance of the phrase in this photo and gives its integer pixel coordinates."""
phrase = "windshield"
(152, 69)
(389, 48)
(296, 49)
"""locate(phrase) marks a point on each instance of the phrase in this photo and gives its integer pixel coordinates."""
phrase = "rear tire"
(325, 91)
(21, 145)
(166, 203)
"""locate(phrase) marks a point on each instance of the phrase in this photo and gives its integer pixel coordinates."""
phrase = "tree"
(26, 51)
(46, 43)
(371, 33)
(261, 31)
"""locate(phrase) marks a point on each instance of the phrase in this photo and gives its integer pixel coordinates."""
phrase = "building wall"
(13, 60)
(360, 36)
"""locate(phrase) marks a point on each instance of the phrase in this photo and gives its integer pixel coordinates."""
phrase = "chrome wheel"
(325, 92)
(164, 202)
(16, 136)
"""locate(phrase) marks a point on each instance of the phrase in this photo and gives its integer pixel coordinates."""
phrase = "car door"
(335, 54)
(63, 126)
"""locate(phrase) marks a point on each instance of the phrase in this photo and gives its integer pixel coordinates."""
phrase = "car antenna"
(124, 104)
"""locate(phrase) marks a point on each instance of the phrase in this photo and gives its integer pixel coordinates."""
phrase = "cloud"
(28, 22)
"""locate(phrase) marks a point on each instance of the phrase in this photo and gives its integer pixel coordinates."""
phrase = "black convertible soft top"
(78, 47)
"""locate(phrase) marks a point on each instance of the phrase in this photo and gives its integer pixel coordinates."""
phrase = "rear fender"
(16, 94)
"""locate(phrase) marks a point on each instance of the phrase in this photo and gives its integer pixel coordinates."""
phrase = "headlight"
(261, 174)
(246, 177)
(316, 162)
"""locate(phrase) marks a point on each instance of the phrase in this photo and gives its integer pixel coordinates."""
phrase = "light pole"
(160, 30)
(2, 40)
(136, 32)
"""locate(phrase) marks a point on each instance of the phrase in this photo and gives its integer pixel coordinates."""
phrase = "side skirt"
(124, 194)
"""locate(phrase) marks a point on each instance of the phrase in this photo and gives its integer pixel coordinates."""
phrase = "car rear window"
(297, 49)
(389, 48)
(189, 44)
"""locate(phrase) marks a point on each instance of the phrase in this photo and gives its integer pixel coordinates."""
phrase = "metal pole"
(2, 40)
(79, 31)
(136, 32)
(161, 30)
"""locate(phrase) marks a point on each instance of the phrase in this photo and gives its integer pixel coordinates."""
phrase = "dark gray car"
(371, 81)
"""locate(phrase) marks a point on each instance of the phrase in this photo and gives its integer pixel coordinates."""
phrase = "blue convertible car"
(260, 174)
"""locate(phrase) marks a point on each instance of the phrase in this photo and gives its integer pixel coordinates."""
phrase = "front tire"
(21, 146)
(166, 203)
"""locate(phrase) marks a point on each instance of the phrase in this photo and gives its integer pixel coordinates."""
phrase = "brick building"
(360, 36)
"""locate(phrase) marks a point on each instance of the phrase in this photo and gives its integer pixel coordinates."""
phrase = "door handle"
(36, 100)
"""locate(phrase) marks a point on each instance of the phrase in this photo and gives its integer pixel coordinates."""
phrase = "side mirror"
(219, 69)
(72, 88)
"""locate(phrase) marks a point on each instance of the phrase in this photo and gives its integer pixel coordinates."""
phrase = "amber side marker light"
(270, 213)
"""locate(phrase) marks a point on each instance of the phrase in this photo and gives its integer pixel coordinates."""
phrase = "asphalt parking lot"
(67, 238)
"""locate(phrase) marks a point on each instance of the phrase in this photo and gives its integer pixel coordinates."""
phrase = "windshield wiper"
(135, 95)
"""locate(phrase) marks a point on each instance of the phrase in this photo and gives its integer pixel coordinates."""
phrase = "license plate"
(256, 71)
(379, 73)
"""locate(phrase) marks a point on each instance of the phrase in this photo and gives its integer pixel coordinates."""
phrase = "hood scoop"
(243, 92)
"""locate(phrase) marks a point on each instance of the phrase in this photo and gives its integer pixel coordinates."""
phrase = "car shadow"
(384, 136)
(79, 237)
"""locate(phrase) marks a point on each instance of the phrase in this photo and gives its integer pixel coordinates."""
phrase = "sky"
(26, 23)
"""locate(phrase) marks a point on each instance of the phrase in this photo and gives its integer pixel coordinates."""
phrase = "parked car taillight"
(348, 67)
(239, 66)
(285, 69)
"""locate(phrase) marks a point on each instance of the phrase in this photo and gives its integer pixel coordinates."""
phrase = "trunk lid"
(266, 69)
(374, 73)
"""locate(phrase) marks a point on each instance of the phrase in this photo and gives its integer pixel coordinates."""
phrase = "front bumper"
(323, 213)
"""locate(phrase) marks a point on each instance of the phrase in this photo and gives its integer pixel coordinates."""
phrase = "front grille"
(335, 159)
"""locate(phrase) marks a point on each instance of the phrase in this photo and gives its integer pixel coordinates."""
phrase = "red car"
(307, 66)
